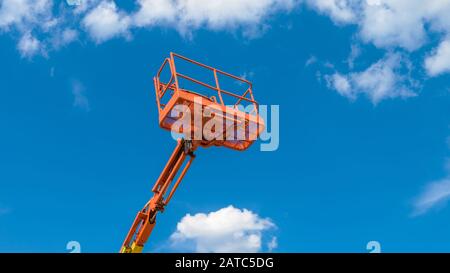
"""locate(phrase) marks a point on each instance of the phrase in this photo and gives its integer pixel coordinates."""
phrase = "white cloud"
(341, 11)
(272, 244)
(21, 13)
(64, 37)
(28, 45)
(439, 61)
(79, 97)
(341, 84)
(227, 230)
(310, 61)
(382, 80)
(152, 12)
(435, 194)
(105, 21)
(354, 54)
(83, 6)
(39, 29)
(228, 14)
(390, 24)
(68, 36)
(189, 15)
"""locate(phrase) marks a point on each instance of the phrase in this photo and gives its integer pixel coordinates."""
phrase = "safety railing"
(174, 83)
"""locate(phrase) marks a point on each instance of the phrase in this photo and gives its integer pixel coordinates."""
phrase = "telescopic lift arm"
(146, 218)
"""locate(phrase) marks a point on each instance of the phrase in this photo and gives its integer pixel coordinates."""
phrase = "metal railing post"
(218, 86)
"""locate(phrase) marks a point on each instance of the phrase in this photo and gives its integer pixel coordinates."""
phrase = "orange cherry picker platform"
(174, 89)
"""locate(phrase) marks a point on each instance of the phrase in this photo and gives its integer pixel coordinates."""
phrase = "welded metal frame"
(145, 219)
(173, 83)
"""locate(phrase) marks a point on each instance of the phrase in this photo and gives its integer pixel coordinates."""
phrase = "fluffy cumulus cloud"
(229, 14)
(105, 21)
(154, 12)
(36, 25)
(26, 17)
(438, 62)
(341, 11)
(20, 13)
(393, 23)
(28, 45)
(44, 25)
(227, 230)
(382, 80)
(189, 15)
(390, 23)
(393, 26)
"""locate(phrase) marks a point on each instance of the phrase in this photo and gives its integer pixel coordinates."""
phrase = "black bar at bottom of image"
(230, 262)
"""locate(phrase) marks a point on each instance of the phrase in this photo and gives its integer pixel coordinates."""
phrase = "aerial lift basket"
(197, 99)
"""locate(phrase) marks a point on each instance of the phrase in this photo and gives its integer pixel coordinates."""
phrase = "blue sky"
(364, 124)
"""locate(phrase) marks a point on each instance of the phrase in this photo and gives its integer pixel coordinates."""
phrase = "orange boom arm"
(238, 132)
(146, 218)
